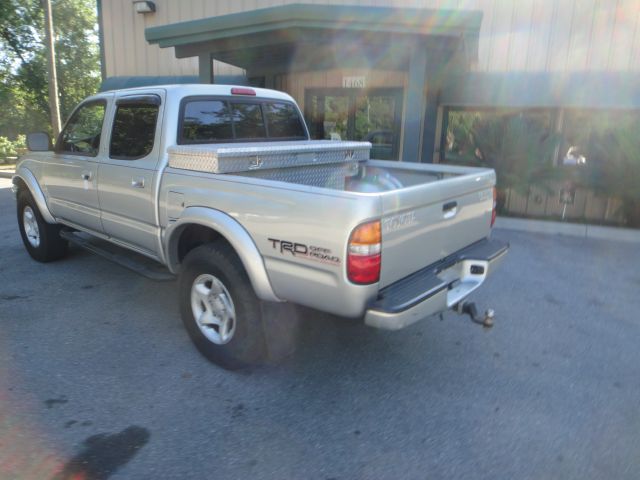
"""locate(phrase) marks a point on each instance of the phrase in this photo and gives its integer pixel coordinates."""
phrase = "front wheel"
(41, 239)
(219, 308)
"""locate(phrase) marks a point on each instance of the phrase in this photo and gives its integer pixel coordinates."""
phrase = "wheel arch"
(24, 178)
(203, 224)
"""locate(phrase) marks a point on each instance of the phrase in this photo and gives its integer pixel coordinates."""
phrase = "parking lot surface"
(98, 377)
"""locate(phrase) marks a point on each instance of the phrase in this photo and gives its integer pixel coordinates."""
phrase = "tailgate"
(425, 223)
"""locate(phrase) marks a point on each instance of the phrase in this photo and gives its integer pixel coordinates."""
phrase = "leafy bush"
(518, 146)
(11, 149)
(614, 166)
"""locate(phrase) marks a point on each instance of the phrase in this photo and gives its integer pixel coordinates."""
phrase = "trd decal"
(310, 252)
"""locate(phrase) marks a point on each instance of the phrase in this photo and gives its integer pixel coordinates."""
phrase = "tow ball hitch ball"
(469, 308)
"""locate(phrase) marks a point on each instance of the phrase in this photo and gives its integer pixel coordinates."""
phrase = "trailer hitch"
(469, 308)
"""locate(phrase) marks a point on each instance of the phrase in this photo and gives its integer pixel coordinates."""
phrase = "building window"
(500, 138)
(372, 115)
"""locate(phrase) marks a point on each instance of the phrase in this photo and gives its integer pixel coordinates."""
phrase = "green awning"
(333, 34)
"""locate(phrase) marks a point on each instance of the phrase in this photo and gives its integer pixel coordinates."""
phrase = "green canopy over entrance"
(426, 44)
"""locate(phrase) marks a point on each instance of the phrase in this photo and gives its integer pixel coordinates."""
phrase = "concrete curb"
(569, 229)
(7, 173)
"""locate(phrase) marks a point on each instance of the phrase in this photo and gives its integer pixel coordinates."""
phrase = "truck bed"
(368, 176)
(429, 211)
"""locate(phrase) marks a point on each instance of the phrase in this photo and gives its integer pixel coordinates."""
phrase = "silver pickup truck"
(222, 186)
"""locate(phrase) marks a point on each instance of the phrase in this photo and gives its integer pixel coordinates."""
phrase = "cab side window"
(134, 130)
(82, 133)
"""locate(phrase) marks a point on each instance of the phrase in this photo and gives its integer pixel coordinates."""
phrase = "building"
(388, 72)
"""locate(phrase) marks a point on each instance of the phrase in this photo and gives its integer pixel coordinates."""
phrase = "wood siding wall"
(516, 35)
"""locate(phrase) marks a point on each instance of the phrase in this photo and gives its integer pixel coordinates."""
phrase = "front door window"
(364, 115)
(81, 135)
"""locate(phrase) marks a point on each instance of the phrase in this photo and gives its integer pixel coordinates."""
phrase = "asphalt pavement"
(99, 379)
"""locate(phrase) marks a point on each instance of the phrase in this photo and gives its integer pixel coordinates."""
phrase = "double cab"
(223, 187)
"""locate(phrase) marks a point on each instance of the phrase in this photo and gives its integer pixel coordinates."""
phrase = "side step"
(125, 258)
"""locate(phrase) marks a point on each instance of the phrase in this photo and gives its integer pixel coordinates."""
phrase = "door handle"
(86, 176)
(450, 209)
(137, 182)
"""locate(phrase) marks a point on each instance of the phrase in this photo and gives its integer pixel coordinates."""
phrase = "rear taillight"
(495, 203)
(363, 254)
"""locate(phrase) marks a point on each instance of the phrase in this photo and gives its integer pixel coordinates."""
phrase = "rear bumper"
(437, 287)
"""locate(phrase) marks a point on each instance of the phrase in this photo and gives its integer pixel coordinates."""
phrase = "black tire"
(247, 346)
(51, 245)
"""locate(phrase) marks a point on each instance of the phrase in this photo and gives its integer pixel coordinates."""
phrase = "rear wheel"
(219, 308)
(41, 239)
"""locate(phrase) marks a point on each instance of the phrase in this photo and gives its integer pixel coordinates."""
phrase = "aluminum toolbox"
(244, 157)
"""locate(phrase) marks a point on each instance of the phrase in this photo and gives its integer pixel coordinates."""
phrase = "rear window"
(283, 120)
(248, 121)
(206, 120)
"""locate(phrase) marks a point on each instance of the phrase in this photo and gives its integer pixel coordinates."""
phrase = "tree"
(23, 73)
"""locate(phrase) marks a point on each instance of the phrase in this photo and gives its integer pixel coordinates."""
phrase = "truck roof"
(185, 90)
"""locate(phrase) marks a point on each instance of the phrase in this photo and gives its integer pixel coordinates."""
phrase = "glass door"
(353, 114)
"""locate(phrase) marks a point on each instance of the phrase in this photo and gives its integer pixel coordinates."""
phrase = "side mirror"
(39, 142)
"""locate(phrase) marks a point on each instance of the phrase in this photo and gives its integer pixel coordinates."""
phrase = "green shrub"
(614, 166)
(519, 146)
(10, 148)
(7, 148)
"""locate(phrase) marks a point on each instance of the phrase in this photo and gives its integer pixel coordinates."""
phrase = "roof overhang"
(319, 36)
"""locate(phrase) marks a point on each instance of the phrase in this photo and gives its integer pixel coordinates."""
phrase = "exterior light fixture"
(144, 6)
